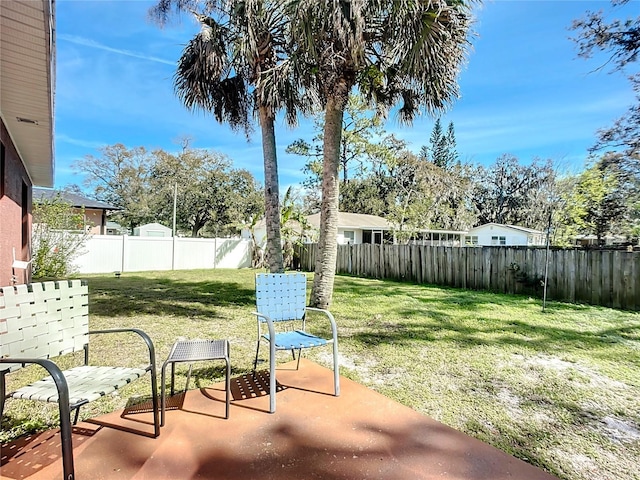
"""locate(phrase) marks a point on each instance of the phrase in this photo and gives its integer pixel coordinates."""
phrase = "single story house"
(353, 228)
(27, 51)
(95, 212)
(356, 228)
(497, 234)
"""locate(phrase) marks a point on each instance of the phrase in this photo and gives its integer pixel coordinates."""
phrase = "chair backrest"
(281, 296)
(43, 320)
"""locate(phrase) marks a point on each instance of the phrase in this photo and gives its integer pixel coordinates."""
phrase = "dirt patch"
(619, 430)
(554, 363)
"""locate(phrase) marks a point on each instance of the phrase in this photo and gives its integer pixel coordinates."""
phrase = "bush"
(58, 237)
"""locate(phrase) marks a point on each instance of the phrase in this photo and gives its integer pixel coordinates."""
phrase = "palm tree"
(237, 66)
(405, 52)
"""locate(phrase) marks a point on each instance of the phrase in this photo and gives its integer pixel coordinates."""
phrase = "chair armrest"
(334, 328)
(145, 337)
(272, 331)
(63, 407)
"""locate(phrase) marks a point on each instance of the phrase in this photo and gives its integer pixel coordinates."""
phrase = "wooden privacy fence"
(597, 277)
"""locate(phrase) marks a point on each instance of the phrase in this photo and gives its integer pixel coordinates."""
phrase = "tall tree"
(620, 39)
(596, 203)
(396, 52)
(509, 192)
(442, 146)
(120, 176)
(210, 195)
(361, 133)
(237, 63)
(364, 146)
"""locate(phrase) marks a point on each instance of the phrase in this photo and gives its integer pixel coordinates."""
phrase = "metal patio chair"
(281, 307)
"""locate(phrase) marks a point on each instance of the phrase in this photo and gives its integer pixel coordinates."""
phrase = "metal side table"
(195, 351)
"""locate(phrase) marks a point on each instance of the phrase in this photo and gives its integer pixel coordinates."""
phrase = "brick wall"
(15, 209)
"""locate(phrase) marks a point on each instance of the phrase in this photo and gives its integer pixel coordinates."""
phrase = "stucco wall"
(16, 186)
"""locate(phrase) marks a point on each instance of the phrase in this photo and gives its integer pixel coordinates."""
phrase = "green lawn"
(559, 389)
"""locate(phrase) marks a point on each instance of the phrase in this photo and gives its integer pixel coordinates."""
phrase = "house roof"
(27, 71)
(74, 199)
(355, 220)
(153, 225)
(512, 227)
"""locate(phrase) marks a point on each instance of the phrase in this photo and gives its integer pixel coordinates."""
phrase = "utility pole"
(175, 202)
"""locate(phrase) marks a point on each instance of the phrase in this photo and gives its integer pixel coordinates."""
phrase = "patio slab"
(312, 435)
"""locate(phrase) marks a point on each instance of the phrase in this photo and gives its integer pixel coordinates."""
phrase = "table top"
(193, 350)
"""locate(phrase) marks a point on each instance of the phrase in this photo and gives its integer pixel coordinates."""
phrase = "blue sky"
(523, 92)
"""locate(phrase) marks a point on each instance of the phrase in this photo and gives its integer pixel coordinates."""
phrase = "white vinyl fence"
(116, 253)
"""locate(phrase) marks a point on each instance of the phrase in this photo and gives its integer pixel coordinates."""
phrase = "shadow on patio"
(313, 434)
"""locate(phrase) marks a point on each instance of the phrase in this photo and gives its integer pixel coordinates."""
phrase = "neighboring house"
(27, 51)
(496, 234)
(439, 238)
(95, 212)
(152, 230)
(592, 240)
(353, 228)
(356, 228)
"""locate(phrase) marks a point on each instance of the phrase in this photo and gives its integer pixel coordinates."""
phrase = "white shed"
(152, 230)
(497, 234)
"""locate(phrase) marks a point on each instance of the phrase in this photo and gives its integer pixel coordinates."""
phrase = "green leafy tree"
(442, 146)
(620, 39)
(237, 63)
(211, 196)
(294, 226)
(362, 134)
(364, 145)
(595, 204)
(511, 193)
(58, 237)
(121, 177)
(371, 194)
(396, 52)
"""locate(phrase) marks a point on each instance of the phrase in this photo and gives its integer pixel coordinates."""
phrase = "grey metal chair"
(281, 307)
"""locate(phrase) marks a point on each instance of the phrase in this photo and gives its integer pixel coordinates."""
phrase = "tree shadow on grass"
(134, 295)
(465, 318)
(434, 326)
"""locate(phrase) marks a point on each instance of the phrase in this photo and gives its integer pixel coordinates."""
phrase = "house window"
(372, 236)
(472, 240)
(349, 236)
(25, 216)
(498, 240)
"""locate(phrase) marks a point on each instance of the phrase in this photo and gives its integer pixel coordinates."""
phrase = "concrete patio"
(313, 435)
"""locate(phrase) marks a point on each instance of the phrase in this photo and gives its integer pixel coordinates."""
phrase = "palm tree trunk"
(271, 192)
(325, 271)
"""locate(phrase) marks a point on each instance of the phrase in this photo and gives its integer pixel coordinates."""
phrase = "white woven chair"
(42, 321)
(281, 307)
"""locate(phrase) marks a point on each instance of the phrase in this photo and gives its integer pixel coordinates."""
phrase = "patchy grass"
(559, 389)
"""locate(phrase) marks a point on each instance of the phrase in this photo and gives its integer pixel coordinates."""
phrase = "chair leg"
(336, 370)
(163, 393)
(299, 356)
(154, 402)
(3, 392)
(255, 362)
(227, 386)
(76, 415)
(272, 376)
(186, 386)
